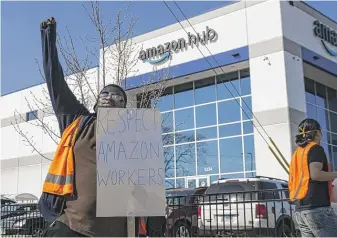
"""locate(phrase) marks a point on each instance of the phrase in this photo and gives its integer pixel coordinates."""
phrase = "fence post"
(131, 226)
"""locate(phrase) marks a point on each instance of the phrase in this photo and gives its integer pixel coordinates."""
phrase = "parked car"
(17, 209)
(247, 207)
(6, 201)
(182, 211)
(31, 224)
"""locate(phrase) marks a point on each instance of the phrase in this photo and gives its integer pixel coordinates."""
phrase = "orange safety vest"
(142, 227)
(299, 175)
(60, 177)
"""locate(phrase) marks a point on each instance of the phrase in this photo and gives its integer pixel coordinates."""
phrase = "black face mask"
(111, 96)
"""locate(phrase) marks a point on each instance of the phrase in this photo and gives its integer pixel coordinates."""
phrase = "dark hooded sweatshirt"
(80, 211)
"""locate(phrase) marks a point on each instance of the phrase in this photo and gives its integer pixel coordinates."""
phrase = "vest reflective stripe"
(57, 188)
(60, 177)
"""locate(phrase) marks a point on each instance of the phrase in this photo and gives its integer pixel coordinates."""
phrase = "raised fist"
(47, 22)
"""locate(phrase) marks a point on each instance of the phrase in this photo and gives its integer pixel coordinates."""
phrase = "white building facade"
(267, 63)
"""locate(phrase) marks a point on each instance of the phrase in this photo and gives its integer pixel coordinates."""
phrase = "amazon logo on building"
(328, 37)
(162, 52)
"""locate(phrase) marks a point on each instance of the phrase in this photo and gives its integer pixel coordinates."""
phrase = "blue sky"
(20, 35)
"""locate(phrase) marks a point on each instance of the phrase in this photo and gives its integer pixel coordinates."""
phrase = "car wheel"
(182, 229)
(37, 232)
(284, 230)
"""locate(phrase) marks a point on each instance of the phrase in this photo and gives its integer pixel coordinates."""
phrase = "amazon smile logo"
(163, 52)
(328, 37)
(162, 58)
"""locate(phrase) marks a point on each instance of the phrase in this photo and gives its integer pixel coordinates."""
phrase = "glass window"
(206, 133)
(334, 155)
(332, 99)
(205, 90)
(247, 108)
(214, 178)
(333, 120)
(186, 136)
(333, 139)
(245, 86)
(232, 176)
(250, 175)
(185, 160)
(184, 119)
(168, 139)
(244, 73)
(169, 183)
(325, 136)
(310, 91)
(231, 155)
(269, 194)
(248, 127)
(323, 116)
(167, 122)
(326, 148)
(180, 183)
(207, 158)
(230, 130)
(229, 111)
(191, 183)
(249, 152)
(31, 115)
(166, 102)
(321, 98)
(311, 111)
(228, 85)
(205, 115)
(169, 161)
(330, 157)
(183, 95)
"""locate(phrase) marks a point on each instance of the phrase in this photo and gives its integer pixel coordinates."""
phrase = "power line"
(218, 65)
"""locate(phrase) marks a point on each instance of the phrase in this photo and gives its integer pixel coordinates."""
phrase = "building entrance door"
(195, 182)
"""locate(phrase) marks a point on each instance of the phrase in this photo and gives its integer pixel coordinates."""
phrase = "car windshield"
(231, 191)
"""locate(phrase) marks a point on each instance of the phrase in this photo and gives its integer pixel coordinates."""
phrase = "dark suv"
(182, 211)
(21, 219)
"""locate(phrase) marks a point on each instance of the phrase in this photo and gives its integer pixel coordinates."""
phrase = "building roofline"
(37, 84)
(305, 7)
(236, 6)
(233, 7)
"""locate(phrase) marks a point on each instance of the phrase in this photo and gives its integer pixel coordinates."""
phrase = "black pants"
(58, 229)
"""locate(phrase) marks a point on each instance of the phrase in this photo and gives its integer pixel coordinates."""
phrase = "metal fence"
(21, 219)
(254, 213)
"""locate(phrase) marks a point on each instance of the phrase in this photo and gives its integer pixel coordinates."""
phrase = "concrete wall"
(276, 67)
(22, 168)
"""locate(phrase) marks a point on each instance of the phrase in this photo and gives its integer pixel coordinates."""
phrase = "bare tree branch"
(29, 140)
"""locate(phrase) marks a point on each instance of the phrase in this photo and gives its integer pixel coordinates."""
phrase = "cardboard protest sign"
(130, 163)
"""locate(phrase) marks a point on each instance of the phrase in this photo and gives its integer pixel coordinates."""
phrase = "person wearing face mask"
(68, 200)
(310, 185)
